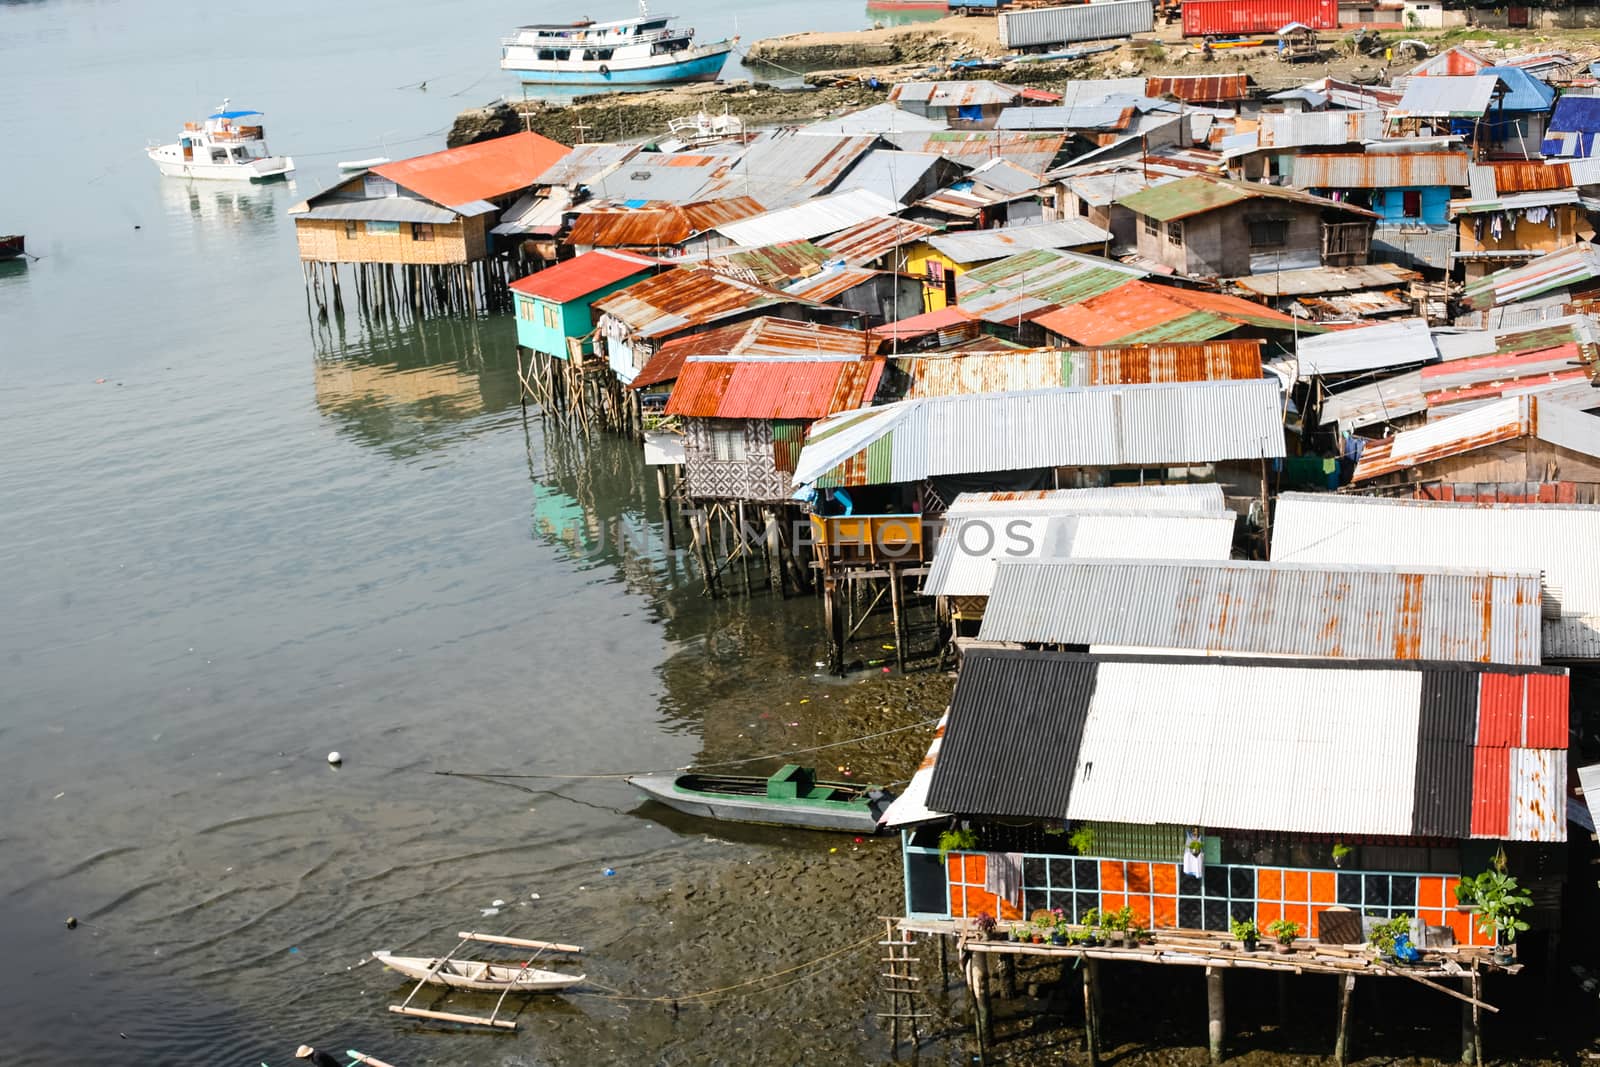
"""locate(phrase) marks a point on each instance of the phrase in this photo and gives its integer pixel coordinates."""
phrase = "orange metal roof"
(687, 297)
(925, 323)
(580, 275)
(479, 171)
(1200, 89)
(866, 241)
(657, 227)
(1184, 361)
(772, 368)
(1140, 311)
(1519, 176)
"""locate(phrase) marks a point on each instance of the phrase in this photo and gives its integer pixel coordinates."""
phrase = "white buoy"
(335, 759)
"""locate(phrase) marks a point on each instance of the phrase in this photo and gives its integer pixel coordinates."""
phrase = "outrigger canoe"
(791, 797)
(478, 975)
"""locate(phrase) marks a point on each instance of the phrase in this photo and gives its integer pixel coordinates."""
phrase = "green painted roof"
(1194, 196)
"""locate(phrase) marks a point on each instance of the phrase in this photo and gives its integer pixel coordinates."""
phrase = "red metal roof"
(767, 337)
(1201, 89)
(772, 368)
(580, 275)
(479, 171)
(924, 324)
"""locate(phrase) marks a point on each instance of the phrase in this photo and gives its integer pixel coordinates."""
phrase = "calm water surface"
(232, 539)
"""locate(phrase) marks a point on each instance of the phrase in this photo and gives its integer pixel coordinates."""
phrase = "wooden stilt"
(894, 606)
(742, 544)
(1477, 1016)
(944, 962)
(1216, 1018)
(1341, 1039)
(1091, 1009)
(1469, 1029)
(833, 617)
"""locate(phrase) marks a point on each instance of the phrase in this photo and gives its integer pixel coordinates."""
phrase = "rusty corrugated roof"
(1519, 176)
(926, 323)
(1138, 311)
(772, 265)
(479, 171)
(776, 369)
(1195, 196)
(687, 297)
(865, 242)
(1201, 89)
(661, 226)
(955, 93)
(1033, 151)
(954, 374)
(1378, 170)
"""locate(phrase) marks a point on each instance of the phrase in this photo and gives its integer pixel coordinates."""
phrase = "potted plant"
(1116, 924)
(1245, 931)
(1082, 840)
(986, 926)
(1386, 935)
(957, 840)
(1091, 927)
(1498, 900)
(1285, 931)
(1021, 933)
(1059, 932)
(1138, 935)
(1340, 851)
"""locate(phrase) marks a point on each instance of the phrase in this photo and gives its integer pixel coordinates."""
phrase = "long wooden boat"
(478, 975)
(12, 245)
(791, 797)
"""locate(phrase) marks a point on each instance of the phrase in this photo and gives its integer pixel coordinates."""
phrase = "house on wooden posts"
(633, 322)
(1422, 770)
(1168, 606)
(1409, 190)
(1214, 228)
(1552, 540)
(655, 229)
(434, 211)
(980, 531)
(745, 408)
(961, 105)
(553, 305)
(1513, 439)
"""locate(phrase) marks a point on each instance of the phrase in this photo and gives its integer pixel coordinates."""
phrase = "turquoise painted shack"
(553, 304)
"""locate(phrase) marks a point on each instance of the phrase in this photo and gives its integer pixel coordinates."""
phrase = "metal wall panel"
(1491, 792)
(1538, 783)
(1442, 797)
(1500, 711)
(1547, 711)
(1079, 22)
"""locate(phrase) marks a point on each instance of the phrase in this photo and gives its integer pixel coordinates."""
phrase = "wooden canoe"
(787, 798)
(478, 975)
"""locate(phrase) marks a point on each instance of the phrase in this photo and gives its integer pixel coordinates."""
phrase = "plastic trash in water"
(611, 872)
(486, 912)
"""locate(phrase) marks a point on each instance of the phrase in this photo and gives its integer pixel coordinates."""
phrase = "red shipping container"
(1226, 18)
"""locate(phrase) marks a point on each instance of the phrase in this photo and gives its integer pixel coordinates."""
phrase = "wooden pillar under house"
(775, 572)
(894, 607)
(666, 506)
(1216, 1014)
(1341, 1038)
(1091, 1009)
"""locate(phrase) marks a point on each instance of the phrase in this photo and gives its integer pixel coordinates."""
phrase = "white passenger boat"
(227, 146)
(636, 51)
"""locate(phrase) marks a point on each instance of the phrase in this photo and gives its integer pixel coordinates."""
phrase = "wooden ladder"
(902, 986)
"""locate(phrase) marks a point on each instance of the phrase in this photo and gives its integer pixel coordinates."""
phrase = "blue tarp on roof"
(231, 114)
(1573, 126)
(1524, 92)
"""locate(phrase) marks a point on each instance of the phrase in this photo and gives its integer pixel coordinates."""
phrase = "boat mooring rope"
(683, 998)
(700, 766)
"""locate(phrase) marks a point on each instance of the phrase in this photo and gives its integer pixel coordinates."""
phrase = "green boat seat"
(790, 782)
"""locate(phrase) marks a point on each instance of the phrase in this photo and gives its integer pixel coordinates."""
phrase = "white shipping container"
(1080, 22)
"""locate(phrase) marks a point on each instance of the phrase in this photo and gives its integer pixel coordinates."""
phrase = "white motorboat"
(226, 146)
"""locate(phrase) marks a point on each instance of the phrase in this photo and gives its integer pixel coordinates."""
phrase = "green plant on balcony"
(958, 840)
(1246, 932)
(1383, 935)
(1498, 899)
(1082, 840)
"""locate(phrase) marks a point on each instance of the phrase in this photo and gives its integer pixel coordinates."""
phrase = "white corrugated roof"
(1188, 496)
(1343, 611)
(981, 246)
(971, 548)
(1099, 426)
(1387, 344)
(813, 218)
(1554, 540)
(1347, 742)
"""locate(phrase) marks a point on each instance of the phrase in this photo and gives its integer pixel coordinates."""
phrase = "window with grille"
(727, 446)
(1269, 233)
(422, 231)
(552, 316)
(1175, 232)
(1151, 226)
(351, 229)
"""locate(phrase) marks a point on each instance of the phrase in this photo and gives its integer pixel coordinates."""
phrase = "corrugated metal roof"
(1553, 539)
(661, 177)
(1446, 97)
(953, 373)
(587, 163)
(1381, 170)
(1302, 129)
(581, 275)
(783, 167)
(1194, 196)
(1208, 741)
(1034, 281)
(1033, 151)
(879, 118)
(1456, 60)
(954, 94)
(895, 175)
(1138, 312)
(1576, 264)
(1507, 419)
(1282, 609)
(1004, 176)
(479, 171)
(867, 241)
(981, 246)
(1547, 358)
(814, 218)
(770, 265)
(1099, 190)
(1101, 426)
(831, 284)
(1520, 176)
(661, 226)
(1127, 499)
(1514, 202)
(686, 297)
(1316, 281)
(1589, 781)
(1375, 402)
(1201, 89)
(544, 213)
(1524, 92)
(1394, 343)
(1111, 116)
(971, 547)
(928, 322)
(778, 369)
(379, 209)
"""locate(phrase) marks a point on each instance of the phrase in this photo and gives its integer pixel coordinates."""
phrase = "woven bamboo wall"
(325, 241)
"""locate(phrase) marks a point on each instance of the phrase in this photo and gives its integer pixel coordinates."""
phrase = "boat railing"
(535, 39)
(241, 133)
